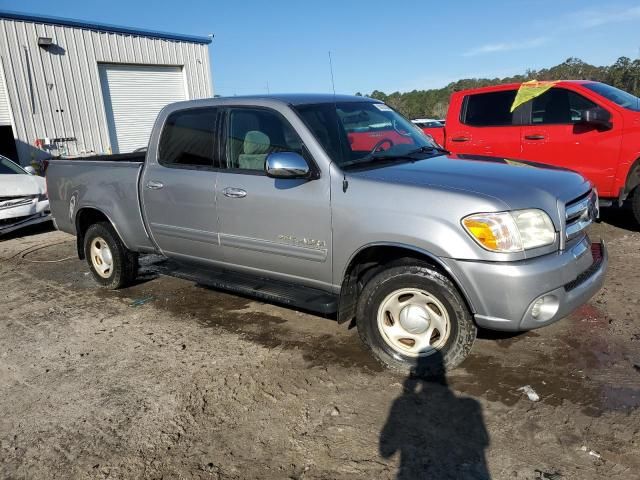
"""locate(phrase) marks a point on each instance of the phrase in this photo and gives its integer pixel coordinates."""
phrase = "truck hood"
(516, 183)
(21, 184)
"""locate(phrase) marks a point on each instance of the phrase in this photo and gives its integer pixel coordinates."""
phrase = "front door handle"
(234, 192)
(534, 137)
(460, 139)
(153, 185)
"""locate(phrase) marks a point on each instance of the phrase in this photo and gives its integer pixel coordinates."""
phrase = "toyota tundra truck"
(268, 197)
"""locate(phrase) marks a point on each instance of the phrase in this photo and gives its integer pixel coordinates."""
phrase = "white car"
(23, 197)
(427, 122)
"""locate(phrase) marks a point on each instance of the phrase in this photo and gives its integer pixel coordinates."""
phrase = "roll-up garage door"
(5, 111)
(133, 96)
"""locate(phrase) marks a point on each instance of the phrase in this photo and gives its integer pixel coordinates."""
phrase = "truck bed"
(105, 183)
(136, 157)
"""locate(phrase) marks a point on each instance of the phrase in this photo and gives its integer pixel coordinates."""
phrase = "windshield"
(7, 167)
(617, 96)
(363, 132)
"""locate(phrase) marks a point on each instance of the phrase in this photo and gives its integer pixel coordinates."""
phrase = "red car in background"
(382, 135)
(589, 127)
(368, 134)
(433, 128)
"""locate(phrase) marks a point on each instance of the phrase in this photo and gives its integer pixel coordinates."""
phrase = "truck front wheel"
(414, 320)
(113, 266)
(635, 203)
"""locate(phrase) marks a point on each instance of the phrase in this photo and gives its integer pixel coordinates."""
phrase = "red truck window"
(559, 106)
(617, 96)
(488, 109)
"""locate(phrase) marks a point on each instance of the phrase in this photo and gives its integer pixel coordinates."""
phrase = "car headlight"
(508, 232)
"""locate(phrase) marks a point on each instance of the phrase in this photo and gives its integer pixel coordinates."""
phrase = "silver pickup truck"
(339, 205)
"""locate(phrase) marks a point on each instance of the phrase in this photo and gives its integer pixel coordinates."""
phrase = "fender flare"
(80, 238)
(412, 248)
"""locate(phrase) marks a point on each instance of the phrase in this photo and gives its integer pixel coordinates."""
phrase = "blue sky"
(384, 45)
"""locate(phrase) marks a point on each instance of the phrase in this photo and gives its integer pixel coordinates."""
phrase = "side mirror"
(30, 170)
(596, 116)
(287, 165)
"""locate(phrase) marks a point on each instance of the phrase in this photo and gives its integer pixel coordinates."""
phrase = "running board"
(272, 291)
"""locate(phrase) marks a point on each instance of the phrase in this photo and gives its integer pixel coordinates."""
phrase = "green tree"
(623, 74)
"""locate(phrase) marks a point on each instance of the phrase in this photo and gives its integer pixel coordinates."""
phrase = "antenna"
(333, 85)
(345, 182)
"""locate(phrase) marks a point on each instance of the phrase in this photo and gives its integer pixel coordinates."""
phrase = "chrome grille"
(10, 202)
(580, 213)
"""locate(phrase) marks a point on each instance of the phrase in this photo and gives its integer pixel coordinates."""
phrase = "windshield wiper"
(425, 149)
(379, 159)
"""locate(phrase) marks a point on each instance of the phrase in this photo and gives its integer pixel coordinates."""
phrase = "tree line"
(623, 74)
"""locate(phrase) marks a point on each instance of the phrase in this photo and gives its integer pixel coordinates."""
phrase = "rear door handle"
(234, 192)
(153, 185)
(534, 137)
(460, 139)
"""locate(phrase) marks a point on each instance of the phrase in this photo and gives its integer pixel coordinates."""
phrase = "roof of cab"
(306, 98)
(513, 86)
(270, 100)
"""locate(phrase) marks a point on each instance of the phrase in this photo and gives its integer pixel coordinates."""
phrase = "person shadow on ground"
(437, 434)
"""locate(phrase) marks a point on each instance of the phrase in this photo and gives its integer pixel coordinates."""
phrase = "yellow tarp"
(529, 91)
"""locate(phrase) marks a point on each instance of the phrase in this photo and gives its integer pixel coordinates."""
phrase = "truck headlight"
(508, 232)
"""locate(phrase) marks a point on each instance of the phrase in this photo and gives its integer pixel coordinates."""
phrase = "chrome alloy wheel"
(101, 257)
(413, 322)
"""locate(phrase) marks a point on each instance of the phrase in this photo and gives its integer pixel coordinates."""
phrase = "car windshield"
(617, 96)
(355, 133)
(7, 167)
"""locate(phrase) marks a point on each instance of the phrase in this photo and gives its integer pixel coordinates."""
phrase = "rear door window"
(559, 106)
(188, 139)
(489, 109)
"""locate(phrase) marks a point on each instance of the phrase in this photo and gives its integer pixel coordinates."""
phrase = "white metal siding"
(57, 92)
(5, 109)
(133, 96)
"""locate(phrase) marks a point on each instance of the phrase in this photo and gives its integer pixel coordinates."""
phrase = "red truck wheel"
(635, 204)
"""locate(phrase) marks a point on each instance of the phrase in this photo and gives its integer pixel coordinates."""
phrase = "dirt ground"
(171, 380)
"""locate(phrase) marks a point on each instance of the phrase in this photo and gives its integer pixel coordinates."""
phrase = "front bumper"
(502, 295)
(12, 218)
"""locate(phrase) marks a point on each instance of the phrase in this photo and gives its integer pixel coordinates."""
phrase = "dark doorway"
(8, 143)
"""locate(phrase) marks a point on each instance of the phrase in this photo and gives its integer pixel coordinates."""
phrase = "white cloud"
(506, 46)
(594, 18)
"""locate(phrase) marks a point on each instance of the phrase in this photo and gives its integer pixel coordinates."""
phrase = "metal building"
(70, 88)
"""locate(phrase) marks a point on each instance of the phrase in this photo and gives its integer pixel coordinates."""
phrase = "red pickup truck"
(589, 127)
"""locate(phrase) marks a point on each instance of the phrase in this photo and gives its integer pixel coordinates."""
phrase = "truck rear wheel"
(413, 319)
(113, 266)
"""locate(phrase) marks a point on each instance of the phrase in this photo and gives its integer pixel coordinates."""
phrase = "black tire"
(635, 204)
(124, 265)
(462, 329)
